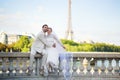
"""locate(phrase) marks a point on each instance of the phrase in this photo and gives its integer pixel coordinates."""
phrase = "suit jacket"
(39, 43)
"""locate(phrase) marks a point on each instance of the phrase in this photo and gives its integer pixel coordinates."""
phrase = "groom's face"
(45, 28)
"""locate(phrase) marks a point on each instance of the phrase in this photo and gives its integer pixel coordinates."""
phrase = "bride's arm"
(58, 41)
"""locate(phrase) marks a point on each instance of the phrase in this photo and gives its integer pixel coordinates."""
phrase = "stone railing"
(85, 66)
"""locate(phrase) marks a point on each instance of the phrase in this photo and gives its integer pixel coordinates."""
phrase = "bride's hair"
(50, 28)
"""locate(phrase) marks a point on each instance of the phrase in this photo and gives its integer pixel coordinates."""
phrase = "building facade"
(3, 38)
(10, 38)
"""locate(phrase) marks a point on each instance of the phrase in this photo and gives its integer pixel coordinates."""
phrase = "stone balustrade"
(84, 66)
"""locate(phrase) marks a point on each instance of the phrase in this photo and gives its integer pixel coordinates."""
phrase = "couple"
(49, 46)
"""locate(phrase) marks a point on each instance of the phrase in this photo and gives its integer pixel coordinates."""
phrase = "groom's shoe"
(41, 72)
(30, 70)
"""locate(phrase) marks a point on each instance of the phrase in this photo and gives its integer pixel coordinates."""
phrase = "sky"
(96, 20)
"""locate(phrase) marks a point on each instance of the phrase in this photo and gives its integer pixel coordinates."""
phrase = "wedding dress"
(58, 54)
(53, 53)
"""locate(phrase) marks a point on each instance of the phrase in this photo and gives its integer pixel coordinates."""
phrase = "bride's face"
(49, 31)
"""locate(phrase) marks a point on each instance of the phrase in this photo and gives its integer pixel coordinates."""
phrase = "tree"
(100, 47)
(2, 47)
(23, 44)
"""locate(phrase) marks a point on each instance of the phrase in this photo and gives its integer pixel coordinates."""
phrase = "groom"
(39, 45)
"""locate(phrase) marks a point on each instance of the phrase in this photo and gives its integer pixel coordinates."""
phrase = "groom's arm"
(42, 38)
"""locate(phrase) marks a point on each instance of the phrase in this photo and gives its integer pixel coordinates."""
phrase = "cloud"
(40, 9)
(11, 21)
(20, 21)
(2, 10)
(15, 16)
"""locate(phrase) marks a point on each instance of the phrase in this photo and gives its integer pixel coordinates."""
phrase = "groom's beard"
(45, 30)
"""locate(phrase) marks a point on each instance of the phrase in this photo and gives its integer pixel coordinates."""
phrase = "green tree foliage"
(89, 47)
(2, 47)
(23, 44)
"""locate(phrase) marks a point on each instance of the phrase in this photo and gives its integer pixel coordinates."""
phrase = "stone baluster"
(117, 68)
(71, 63)
(11, 67)
(78, 65)
(30, 70)
(24, 66)
(110, 68)
(68, 66)
(96, 73)
(74, 68)
(61, 68)
(37, 66)
(103, 68)
(4, 67)
(1, 66)
(88, 67)
(18, 67)
(81, 73)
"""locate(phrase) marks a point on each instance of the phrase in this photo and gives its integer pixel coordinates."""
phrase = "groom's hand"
(64, 47)
(54, 45)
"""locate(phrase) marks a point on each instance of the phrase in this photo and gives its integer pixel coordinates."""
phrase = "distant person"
(39, 46)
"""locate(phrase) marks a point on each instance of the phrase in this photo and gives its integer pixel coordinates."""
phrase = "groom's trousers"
(44, 57)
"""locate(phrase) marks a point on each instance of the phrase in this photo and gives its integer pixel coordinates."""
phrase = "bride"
(53, 53)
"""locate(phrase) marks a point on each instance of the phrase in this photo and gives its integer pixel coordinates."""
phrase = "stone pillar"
(4, 67)
(117, 68)
(74, 68)
(37, 66)
(11, 68)
(103, 68)
(81, 67)
(18, 67)
(110, 68)
(96, 73)
(24, 66)
(88, 67)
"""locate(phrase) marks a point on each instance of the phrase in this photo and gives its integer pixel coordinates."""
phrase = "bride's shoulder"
(50, 35)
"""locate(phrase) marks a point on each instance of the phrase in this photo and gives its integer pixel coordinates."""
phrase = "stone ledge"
(60, 78)
(17, 55)
(100, 55)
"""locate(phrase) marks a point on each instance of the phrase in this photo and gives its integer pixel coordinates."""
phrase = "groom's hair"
(44, 25)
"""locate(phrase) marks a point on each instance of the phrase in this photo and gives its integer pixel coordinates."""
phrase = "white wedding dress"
(53, 53)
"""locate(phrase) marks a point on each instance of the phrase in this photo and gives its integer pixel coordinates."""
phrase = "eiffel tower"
(69, 31)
